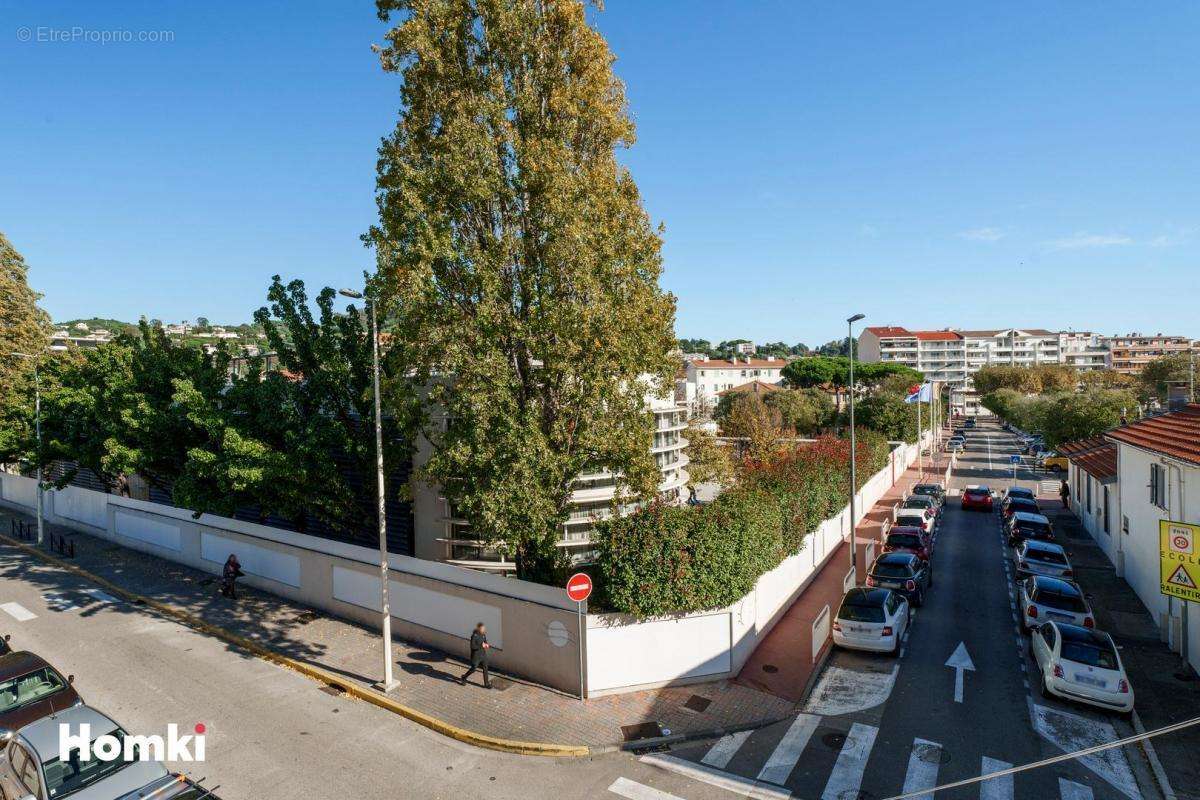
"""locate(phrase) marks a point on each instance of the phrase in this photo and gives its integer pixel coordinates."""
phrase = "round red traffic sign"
(579, 587)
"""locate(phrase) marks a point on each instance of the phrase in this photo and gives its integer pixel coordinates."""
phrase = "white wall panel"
(144, 529)
(255, 560)
(82, 505)
(659, 650)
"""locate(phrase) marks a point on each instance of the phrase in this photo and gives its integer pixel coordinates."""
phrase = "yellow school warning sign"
(1179, 562)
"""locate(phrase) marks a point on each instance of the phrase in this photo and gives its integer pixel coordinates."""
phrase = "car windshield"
(29, 688)
(67, 777)
(1045, 556)
(860, 613)
(917, 502)
(886, 569)
(1061, 602)
(903, 540)
(1034, 528)
(926, 490)
(1092, 653)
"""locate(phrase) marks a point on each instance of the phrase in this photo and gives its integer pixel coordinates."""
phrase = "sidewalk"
(514, 710)
(1161, 697)
(782, 664)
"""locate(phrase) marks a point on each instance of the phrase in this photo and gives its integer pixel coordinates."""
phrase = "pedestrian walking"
(1064, 492)
(229, 576)
(479, 656)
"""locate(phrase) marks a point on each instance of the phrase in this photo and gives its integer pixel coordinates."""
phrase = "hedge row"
(664, 559)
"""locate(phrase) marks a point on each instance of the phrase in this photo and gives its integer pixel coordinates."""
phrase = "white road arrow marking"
(960, 660)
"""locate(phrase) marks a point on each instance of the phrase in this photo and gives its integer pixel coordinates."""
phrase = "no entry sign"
(579, 587)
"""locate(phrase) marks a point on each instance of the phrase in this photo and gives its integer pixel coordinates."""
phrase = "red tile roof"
(894, 332)
(1175, 434)
(741, 363)
(753, 387)
(1094, 455)
(938, 336)
(889, 331)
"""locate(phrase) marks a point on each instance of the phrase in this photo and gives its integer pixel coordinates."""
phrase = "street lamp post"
(37, 405)
(388, 683)
(853, 446)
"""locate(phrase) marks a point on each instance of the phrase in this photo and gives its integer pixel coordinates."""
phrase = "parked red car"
(977, 498)
(31, 689)
(904, 539)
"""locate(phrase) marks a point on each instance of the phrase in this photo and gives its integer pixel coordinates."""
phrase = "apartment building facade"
(1129, 353)
(709, 377)
(953, 356)
(441, 534)
(1084, 350)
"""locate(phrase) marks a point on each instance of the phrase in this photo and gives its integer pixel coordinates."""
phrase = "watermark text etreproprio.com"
(78, 34)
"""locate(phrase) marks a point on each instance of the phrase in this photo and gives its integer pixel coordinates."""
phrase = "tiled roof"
(1175, 434)
(938, 336)
(889, 330)
(1094, 455)
(741, 363)
(753, 387)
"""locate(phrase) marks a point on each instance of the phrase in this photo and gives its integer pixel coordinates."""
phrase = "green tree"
(709, 460)
(752, 419)
(24, 328)
(518, 262)
(807, 412)
(1158, 374)
(887, 414)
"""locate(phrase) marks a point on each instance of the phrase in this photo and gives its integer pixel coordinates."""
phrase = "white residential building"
(951, 356)
(710, 377)
(1085, 351)
(439, 534)
(746, 348)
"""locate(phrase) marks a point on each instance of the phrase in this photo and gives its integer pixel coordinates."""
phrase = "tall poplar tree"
(518, 263)
(24, 328)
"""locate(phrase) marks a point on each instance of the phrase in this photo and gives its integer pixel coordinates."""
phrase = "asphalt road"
(874, 727)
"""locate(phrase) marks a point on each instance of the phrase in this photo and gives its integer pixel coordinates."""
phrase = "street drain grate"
(697, 703)
(306, 617)
(643, 730)
(501, 684)
(834, 741)
(931, 754)
(334, 691)
(770, 669)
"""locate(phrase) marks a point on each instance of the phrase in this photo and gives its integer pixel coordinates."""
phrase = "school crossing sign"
(1179, 563)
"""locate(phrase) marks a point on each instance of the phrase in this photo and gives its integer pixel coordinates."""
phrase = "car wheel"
(919, 599)
(896, 647)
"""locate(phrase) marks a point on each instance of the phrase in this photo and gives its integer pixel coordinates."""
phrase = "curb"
(316, 673)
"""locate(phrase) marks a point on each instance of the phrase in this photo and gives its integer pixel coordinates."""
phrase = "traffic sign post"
(579, 589)
(1179, 569)
(1015, 460)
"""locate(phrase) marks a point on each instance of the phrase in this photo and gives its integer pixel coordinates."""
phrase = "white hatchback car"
(1045, 599)
(1032, 557)
(871, 619)
(1081, 664)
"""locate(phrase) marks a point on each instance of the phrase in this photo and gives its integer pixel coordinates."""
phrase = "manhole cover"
(697, 703)
(770, 669)
(834, 741)
(931, 754)
(643, 730)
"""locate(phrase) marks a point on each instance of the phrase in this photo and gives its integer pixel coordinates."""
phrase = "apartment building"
(951, 356)
(1129, 353)
(1084, 350)
(440, 534)
(709, 377)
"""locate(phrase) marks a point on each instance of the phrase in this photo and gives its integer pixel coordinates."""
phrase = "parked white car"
(1081, 664)
(871, 619)
(922, 518)
(1045, 599)
(1033, 557)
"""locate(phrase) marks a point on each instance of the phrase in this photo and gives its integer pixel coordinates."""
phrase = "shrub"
(665, 559)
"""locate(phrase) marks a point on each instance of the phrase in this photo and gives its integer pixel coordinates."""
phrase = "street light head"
(350, 293)
(857, 317)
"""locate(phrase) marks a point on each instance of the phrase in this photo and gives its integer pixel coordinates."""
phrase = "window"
(26, 770)
(1089, 493)
(1158, 485)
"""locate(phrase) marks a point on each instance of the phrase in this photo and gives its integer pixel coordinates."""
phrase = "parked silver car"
(1045, 599)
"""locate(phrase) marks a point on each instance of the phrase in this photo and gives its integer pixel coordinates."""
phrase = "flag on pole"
(921, 394)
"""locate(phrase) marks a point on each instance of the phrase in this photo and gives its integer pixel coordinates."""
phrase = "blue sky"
(928, 164)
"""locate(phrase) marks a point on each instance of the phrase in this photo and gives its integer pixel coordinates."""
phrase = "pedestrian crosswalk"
(737, 763)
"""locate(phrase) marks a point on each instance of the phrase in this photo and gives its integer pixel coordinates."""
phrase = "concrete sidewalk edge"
(316, 673)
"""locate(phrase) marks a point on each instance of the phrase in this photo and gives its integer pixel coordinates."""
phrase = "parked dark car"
(1019, 491)
(1022, 526)
(30, 688)
(970, 423)
(904, 573)
(1014, 504)
(934, 490)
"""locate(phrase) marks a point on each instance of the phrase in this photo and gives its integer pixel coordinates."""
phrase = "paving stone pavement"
(428, 678)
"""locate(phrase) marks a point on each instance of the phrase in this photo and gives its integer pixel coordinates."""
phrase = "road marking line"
(720, 753)
(846, 778)
(715, 777)
(18, 612)
(923, 763)
(638, 791)
(787, 753)
(1000, 788)
(1069, 790)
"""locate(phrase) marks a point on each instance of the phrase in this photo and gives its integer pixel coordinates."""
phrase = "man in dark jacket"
(232, 571)
(1064, 492)
(479, 655)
